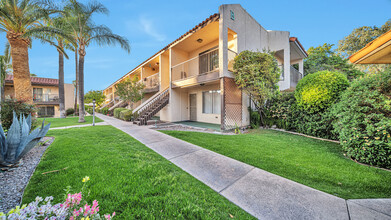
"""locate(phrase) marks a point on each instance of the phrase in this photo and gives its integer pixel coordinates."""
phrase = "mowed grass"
(318, 164)
(126, 177)
(68, 121)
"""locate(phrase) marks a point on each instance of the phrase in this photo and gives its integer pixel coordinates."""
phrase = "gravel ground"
(13, 182)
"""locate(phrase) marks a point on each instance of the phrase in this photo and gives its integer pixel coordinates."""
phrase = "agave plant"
(19, 140)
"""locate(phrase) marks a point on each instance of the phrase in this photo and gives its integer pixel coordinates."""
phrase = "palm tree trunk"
(61, 82)
(77, 79)
(20, 66)
(81, 85)
(2, 91)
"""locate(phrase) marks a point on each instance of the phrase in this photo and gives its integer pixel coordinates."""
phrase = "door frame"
(190, 106)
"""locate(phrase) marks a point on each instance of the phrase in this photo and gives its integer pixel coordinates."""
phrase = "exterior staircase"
(149, 108)
(108, 105)
(118, 105)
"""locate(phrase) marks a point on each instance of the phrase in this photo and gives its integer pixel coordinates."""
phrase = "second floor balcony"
(203, 68)
(151, 83)
(46, 98)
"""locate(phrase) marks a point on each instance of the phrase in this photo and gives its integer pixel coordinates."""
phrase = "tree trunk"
(3, 91)
(81, 84)
(20, 66)
(61, 92)
(77, 79)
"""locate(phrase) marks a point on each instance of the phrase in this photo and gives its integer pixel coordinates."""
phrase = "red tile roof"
(293, 39)
(35, 81)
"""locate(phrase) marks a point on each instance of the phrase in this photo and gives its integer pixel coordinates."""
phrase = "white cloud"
(148, 26)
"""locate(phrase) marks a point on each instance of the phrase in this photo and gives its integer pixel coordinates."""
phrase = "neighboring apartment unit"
(45, 95)
(192, 79)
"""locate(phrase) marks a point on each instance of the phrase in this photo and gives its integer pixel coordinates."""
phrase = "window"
(209, 61)
(46, 111)
(211, 102)
(37, 94)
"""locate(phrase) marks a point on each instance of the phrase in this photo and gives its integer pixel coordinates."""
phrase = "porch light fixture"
(199, 40)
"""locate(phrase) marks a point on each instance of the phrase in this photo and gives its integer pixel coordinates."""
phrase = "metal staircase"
(149, 108)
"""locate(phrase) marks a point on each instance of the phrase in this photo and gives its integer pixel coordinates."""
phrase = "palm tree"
(86, 32)
(61, 42)
(21, 21)
(5, 68)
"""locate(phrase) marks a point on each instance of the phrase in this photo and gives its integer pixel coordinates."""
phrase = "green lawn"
(314, 163)
(126, 177)
(63, 122)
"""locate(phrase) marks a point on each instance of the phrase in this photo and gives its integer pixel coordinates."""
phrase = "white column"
(301, 66)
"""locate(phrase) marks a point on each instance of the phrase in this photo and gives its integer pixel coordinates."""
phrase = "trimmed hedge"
(117, 111)
(317, 91)
(364, 120)
(69, 111)
(126, 115)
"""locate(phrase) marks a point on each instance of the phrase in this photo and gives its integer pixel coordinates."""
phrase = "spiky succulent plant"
(19, 140)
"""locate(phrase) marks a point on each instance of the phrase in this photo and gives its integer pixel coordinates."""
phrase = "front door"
(193, 107)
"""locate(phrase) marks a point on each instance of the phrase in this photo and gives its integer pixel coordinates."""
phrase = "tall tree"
(61, 42)
(130, 91)
(360, 37)
(86, 32)
(324, 58)
(257, 74)
(95, 94)
(21, 21)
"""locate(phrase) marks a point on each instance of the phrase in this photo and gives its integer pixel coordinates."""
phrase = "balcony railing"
(46, 98)
(203, 64)
(151, 82)
(295, 76)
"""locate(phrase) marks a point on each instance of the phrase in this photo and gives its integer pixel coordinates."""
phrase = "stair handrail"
(145, 104)
(111, 101)
(116, 105)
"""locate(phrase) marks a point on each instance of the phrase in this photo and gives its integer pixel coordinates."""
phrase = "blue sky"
(151, 25)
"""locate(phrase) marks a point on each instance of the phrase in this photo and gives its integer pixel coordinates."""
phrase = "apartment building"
(191, 79)
(45, 95)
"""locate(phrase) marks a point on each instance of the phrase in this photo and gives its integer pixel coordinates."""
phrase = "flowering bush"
(73, 208)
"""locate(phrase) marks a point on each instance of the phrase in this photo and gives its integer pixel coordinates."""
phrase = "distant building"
(45, 95)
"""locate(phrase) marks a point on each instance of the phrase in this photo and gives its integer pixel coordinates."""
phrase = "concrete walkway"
(260, 193)
(79, 126)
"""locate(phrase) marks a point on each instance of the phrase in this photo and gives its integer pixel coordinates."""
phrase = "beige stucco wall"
(69, 90)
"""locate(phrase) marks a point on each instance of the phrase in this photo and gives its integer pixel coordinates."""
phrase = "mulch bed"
(14, 181)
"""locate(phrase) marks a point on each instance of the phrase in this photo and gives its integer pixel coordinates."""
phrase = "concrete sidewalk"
(260, 193)
(79, 126)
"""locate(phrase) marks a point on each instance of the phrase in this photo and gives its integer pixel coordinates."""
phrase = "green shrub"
(255, 118)
(88, 109)
(319, 90)
(282, 111)
(69, 111)
(364, 120)
(126, 115)
(117, 111)
(104, 111)
(20, 107)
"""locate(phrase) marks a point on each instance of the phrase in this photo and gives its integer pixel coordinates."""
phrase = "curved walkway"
(260, 193)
